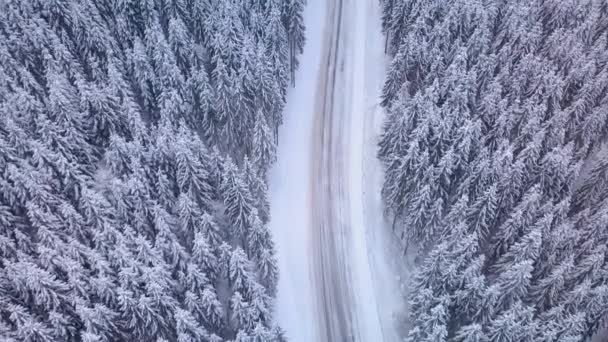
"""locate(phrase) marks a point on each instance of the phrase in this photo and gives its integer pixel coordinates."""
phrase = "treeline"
(135, 138)
(496, 116)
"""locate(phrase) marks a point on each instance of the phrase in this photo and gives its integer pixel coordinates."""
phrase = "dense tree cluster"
(496, 116)
(135, 137)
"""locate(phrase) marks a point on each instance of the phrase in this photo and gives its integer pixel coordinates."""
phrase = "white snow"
(290, 191)
(374, 263)
(366, 310)
(390, 273)
(377, 263)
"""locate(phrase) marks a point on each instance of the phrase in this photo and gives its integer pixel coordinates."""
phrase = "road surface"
(340, 265)
(336, 284)
(330, 257)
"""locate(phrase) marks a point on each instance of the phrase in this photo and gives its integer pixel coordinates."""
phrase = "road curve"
(329, 205)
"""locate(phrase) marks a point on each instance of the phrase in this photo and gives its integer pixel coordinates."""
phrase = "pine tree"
(237, 200)
(264, 149)
(295, 33)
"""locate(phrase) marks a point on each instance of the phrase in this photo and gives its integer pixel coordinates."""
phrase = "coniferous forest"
(135, 139)
(496, 170)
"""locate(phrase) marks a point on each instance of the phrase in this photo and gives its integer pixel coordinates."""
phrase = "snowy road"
(346, 304)
(336, 284)
(329, 185)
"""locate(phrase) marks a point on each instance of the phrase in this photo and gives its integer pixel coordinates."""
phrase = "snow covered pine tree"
(129, 211)
(496, 116)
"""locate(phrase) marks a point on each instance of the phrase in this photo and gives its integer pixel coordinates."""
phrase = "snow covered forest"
(135, 139)
(495, 171)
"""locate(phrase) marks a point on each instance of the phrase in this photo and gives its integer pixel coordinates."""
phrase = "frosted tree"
(471, 333)
(275, 44)
(240, 312)
(203, 253)
(515, 324)
(237, 200)
(223, 95)
(239, 272)
(203, 114)
(432, 325)
(268, 268)
(295, 32)
(264, 149)
(187, 327)
(258, 188)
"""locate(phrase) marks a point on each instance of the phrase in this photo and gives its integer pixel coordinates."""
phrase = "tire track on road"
(330, 221)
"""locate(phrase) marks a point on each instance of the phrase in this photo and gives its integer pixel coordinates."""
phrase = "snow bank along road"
(319, 211)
